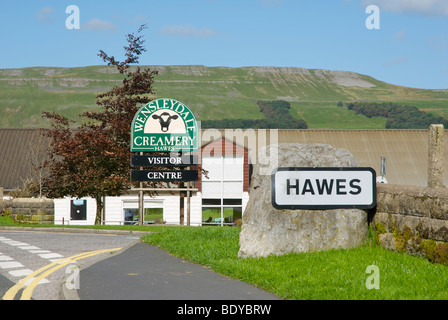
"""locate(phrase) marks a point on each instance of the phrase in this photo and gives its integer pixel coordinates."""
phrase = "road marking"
(16, 243)
(26, 295)
(50, 255)
(45, 254)
(10, 264)
(39, 251)
(20, 272)
(5, 258)
(29, 248)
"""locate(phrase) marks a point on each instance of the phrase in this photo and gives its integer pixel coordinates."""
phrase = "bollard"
(435, 156)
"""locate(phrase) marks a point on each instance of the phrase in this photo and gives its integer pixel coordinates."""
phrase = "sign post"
(164, 125)
(141, 202)
(188, 201)
(323, 188)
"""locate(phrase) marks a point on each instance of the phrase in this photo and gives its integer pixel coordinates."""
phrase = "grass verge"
(326, 275)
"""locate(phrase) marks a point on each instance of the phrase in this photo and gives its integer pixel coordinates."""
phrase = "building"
(218, 198)
(21, 151)
(228, 156)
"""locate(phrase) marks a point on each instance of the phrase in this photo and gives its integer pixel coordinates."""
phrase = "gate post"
(435, 156)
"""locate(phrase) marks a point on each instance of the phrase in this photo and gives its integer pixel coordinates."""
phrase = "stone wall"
(412, 219)
(30, 210)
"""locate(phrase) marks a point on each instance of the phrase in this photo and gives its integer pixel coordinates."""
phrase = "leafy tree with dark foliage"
(92, 159)
(398, 116)
(276, 113)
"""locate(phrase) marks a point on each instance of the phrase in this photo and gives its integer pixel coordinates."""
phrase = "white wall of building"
(62, 212)
(221, 191)
(114, 209)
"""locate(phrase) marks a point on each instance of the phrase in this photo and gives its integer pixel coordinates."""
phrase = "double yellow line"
(26, 294)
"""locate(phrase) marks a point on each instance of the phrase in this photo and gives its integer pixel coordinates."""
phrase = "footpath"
(145, 272)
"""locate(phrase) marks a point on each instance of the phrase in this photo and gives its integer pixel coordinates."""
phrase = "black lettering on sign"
(289, 186)
(308, 187)
(340, 186)
(323, 187)
(354, 186)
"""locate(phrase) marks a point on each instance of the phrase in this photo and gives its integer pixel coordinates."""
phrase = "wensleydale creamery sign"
(164, 125)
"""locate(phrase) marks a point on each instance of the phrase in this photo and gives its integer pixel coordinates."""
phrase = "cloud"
(400, 35)
(438, 42)
(396, 61)
(139, 18)
(424, 7)
(271, 3)
(98, 25)
(130, 20)
(187, 31)
(46, 14)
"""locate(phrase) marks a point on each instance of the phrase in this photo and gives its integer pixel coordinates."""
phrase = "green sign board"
(164, 125)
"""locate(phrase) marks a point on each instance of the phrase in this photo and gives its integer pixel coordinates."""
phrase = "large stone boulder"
(268, 231)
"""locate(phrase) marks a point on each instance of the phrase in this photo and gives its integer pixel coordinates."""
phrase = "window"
(130, 215)
(153, 215)
(225, 177)
(222, 192)
(226, 212)
(153, 212)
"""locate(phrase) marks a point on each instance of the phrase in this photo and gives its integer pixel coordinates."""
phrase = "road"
(34, 264)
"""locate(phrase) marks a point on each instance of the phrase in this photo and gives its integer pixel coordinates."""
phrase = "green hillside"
(213, 93)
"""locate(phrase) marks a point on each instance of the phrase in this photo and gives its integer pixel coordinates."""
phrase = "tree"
(35, 157)
(398, 116)
(92, 159)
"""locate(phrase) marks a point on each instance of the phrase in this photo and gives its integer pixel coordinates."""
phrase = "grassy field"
(328, 115)
(213, 93)
(326, 275)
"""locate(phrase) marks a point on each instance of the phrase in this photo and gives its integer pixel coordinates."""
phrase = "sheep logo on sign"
(164, 125)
